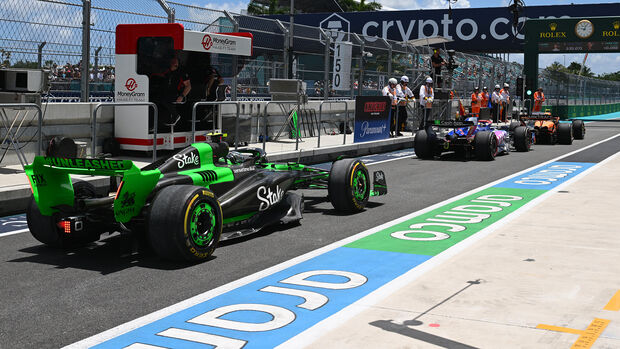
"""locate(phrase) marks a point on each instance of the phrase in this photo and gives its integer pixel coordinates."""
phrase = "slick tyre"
(565, 133)
(485, 145)
(44, 228)
(349, 185)
(579, 129)
(513, 125)
(185, 223)
(522, 139)
(423, 144)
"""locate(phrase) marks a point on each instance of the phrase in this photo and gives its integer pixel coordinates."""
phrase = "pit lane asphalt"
(52, 298)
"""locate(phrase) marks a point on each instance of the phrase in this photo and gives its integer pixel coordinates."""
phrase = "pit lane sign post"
(342, 66)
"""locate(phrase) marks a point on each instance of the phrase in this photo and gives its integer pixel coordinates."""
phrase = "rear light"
(65, 225)
(71, 224)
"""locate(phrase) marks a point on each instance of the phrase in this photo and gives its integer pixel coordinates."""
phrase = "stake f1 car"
(471, 136)
(189, 202)
(547, 128)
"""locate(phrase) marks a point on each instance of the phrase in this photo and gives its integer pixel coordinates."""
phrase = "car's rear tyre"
(423, 144)
(349, 185)
(185, 223)
(513, 125)
(44, 228)
(579, 129)
(522, 139)
(485, 145)
(565, 133)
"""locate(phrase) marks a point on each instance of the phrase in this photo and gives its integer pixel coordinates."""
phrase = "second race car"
(470, 137)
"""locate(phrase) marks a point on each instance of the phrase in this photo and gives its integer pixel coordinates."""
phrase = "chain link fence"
(48, 34)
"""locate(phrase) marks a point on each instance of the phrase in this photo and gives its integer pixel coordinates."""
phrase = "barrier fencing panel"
(198, 104)
(13, 136)
(124, 104)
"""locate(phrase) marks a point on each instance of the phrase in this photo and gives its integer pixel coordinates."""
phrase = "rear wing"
(50, 180)
(452, 123)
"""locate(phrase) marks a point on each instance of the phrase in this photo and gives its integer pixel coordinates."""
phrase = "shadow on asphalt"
(311, 202)
(108, 255)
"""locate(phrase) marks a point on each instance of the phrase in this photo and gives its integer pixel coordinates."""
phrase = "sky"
(599, 63)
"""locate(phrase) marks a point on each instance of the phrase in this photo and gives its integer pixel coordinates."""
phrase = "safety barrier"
(20, 155)
(346, 120)
(198, 104)
(124, 104)
(281, 103)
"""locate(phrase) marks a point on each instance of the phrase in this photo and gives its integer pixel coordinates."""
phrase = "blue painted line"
(12, 223)
(546, 177)
(376, 267)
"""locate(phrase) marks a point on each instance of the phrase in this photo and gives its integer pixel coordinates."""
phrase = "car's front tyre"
(349, 185)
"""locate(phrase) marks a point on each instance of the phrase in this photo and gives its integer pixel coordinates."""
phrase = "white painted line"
(131, 325)
(315, 332)
(14, 232)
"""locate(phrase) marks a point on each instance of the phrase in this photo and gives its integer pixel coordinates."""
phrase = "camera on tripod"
(451, 62)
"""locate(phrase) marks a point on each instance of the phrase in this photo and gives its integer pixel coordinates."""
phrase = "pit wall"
(575, 111)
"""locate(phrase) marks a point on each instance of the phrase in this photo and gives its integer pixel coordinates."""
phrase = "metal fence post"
(389, 62)
(169, 11)
(40, 54)
(286, 48)
(326, 64)
(233, 90)
(360, 84)
(85, 90)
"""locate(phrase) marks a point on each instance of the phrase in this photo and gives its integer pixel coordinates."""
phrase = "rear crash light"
(70, 225)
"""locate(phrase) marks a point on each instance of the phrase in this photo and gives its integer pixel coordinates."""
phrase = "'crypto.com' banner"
(474, 29)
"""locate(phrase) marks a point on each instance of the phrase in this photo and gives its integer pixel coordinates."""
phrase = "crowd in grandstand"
(70, 72)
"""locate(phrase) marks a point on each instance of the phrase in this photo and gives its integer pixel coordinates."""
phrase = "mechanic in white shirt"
(391, 91)
(496, 98)
(405, 95)
(426, 99)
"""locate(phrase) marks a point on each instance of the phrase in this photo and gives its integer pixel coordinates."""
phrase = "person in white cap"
(405, 95)
(426, 99)
(496, 98)
(390, 91)
(505, 101)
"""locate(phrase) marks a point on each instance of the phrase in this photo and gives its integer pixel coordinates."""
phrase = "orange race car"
(547, 129)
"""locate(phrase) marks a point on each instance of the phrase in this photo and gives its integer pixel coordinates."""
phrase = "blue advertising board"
(372, 118)
(473, 29)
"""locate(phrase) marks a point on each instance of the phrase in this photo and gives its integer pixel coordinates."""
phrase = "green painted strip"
(433, 232)
(238, 218)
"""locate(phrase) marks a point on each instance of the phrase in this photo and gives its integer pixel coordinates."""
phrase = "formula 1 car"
(471, 136)
(185, 204)
(547, 129)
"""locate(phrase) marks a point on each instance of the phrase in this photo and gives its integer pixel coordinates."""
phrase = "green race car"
(185, 204)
